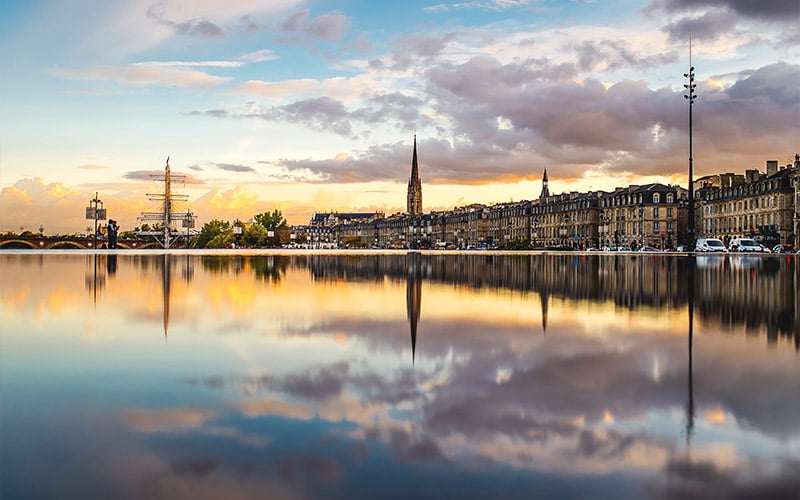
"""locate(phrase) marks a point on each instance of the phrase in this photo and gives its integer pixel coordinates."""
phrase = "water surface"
(169, 375)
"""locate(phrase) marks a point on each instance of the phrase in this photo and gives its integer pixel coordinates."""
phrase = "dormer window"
(656, 198)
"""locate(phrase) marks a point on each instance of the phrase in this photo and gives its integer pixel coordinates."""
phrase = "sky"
(311, 106)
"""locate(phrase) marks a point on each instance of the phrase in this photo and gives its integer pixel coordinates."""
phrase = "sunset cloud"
(261, 94)
(143, 75)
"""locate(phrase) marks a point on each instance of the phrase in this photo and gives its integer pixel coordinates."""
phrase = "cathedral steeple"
(545, 189)
(414, 197)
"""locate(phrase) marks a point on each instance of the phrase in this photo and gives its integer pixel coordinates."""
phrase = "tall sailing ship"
(164, 221)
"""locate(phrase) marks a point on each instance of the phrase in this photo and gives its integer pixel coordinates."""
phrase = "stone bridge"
(66, 242)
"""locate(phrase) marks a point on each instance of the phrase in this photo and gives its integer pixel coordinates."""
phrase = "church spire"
(414, 197)
(545, 189)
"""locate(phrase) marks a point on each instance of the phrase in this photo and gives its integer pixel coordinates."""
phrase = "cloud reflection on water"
(330, 367)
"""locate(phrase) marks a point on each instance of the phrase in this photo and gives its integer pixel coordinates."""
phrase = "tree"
(271, 221)
(254, 236)
(215, 232)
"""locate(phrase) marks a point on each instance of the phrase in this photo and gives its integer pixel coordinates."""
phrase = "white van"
(745, 245)
(710, 245)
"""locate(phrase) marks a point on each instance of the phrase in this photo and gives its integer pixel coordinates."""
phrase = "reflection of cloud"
(166, 419)
(687, 479)
(257, 408)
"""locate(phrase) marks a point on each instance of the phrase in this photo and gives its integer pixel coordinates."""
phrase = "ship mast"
(167, 215)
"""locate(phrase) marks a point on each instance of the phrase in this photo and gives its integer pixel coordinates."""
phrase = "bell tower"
(545, 189)
(414, 197)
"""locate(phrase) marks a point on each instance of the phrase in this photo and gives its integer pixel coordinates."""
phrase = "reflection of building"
(750, 292)
(754, 292)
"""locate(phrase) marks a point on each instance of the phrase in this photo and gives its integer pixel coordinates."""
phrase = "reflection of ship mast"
(414, 297)
(166, 214)
(166, 283)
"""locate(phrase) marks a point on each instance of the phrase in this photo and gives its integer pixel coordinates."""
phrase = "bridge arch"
(64, 244)
(17, 244)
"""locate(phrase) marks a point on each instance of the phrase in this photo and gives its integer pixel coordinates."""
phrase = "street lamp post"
(690, 96)
(95, 211)
(641, 225)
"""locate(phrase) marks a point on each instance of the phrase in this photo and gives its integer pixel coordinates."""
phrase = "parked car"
(745, 245)
(648, 249)
(710, 245)
(783, 248)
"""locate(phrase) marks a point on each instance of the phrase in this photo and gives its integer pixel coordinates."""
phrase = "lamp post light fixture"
(641, 224)
(690, 97)
(95, 211)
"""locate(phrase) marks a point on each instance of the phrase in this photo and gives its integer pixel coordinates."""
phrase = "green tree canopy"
(254, 236)
(271, 221)
(215, 234)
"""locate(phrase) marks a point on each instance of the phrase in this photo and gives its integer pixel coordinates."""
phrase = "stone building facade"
(761, 206)
(764, 205)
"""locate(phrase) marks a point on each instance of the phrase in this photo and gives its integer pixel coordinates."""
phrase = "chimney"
(772, 167)
(752, 176)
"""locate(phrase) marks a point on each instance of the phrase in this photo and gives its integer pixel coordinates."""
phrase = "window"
(669, 212)
(655, 226)
(670, 198)
(655, 212)
(656, 198)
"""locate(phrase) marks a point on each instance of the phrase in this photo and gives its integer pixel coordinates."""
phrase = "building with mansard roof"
(762, 207)
(650, 215)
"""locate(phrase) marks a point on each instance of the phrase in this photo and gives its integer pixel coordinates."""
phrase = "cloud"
(612, 55)
(60, 209)
(93, 167)
(154, 175)
(329, 27)
(235, 168)
(196, 27)
(258, 56)
(319, 113)
(274, 90)
(785, 11)
(143, 75)
(492, 5)
(710, 25)
(179, 64)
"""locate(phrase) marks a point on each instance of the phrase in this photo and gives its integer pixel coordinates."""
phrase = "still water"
(398, 376)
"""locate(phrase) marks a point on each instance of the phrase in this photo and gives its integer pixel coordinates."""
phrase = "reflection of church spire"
(544, 297)
(166, 283)
(414, 297)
